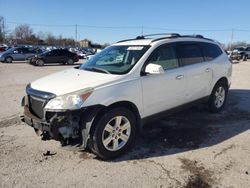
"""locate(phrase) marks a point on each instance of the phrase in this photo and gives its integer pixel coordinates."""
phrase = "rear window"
(211, 51)
(189, 54)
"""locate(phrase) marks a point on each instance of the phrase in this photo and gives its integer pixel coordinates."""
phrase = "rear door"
(29, 53)
(51, 57)
(198, 71)
(64, 56)
(167, 90)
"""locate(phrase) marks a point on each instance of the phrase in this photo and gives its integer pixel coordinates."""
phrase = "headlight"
(69, 101)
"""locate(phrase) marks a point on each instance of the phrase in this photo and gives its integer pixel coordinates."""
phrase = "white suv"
(104, 102)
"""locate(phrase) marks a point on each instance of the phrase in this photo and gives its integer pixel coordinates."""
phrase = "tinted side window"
(18, 50)
(31, 51)
(51, 53)
(164, 56)
(58, 52)
(25, 50)
(65, 52)
(211, 51)
(62, 52)
(189, 54)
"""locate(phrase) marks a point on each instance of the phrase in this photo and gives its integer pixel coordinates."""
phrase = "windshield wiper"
(98, 69)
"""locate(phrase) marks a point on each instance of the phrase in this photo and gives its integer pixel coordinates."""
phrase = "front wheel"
(70, 62)
(39, 62)
(8, 59)
(218, 97)
(245, 57)
(114, 133)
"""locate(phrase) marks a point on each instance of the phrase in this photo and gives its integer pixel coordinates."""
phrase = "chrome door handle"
(179, 77)
(207, 70)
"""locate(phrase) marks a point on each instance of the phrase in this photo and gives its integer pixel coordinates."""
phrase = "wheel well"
(223, 80)
(125, 104)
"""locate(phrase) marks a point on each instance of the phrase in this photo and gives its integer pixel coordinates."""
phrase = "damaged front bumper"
(69, 126)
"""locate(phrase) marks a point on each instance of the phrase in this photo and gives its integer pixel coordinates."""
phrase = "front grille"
(37, 100)
(36, 106)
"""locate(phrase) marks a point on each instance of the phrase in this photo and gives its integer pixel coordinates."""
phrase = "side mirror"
(15, 52)
(154, 69)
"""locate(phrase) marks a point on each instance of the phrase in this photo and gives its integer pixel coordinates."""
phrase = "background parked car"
(3, 48)
(18, 54)
(55, 56)
(237, 53)
(246, 54)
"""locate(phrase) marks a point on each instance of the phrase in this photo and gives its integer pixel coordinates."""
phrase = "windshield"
(11, 50)
(115, 59)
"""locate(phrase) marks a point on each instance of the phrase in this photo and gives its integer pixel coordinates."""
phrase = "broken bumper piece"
(67, 126)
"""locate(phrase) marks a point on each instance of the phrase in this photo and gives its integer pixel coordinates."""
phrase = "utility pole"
(231, 42)
(142, 30)
(2, 29)
(76, 35)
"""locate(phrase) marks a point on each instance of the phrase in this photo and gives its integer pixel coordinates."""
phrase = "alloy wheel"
(219, 97)
(116, 133)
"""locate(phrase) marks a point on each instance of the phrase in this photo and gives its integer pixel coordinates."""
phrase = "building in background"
(88, 44)
(85, 43)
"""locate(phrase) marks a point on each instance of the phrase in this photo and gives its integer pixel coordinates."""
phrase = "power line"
(141, 28)
(42, 25)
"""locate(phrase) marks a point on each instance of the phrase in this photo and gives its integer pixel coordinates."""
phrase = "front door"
(167, 90)
(51, 57)
(18, 54)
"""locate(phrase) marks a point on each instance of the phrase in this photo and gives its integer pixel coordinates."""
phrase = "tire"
(39, 62)
(8, 60)
(245, 57)
(70, 62)
(109, 140)
(218, 97)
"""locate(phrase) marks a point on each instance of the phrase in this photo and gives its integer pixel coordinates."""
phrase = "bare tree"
(2, 30)
(23, 33)
(237, 44)
(50, 39)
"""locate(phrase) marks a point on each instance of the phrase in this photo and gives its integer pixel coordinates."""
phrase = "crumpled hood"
(71, 80)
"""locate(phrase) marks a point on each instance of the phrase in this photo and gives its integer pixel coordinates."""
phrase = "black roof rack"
(166, 36)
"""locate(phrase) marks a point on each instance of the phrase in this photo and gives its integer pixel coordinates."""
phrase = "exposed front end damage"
(69, 126)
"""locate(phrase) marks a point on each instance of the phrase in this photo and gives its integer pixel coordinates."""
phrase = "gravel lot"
(190, 149)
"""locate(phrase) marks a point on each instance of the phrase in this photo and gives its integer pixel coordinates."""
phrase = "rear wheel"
(114, 133)
(8, 59)
(245, 57)
(218, 97)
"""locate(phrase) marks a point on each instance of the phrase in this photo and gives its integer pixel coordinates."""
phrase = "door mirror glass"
(15, 52)
(154, 69)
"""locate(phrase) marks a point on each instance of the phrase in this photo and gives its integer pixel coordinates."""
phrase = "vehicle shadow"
(192, 129)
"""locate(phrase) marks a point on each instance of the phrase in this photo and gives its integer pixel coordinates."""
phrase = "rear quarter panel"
(222, 67)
